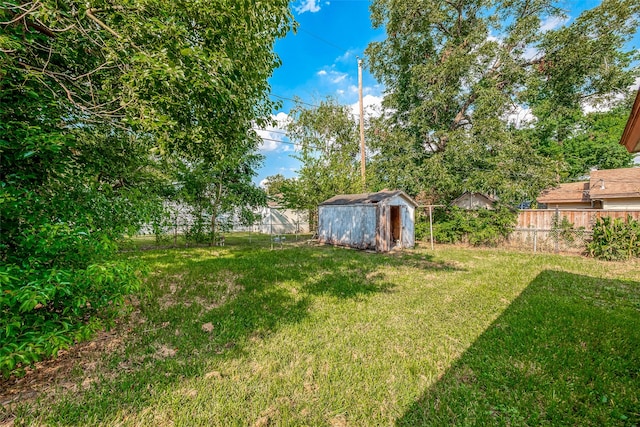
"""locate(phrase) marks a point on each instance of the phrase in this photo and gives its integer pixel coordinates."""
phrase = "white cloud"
(553, 23)
(521, 117)
(372, 105)
(338, 77)
(530, 53)
(307, 6)
(607, 102)
(347, 56)
(274, 137)
(333, 76)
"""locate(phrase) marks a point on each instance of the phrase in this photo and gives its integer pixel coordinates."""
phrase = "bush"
(615, 239)
(477, 227)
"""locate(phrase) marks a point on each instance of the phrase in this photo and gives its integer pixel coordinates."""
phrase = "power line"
(282, 142)
(281, 132)
(323, 40)
(294, 100)
(290, 143)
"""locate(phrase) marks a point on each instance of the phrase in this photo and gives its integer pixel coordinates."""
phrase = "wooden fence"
(544, 219)
(544, 230)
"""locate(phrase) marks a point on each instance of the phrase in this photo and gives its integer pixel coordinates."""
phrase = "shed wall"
(470, 201)
(408, 219)
(347, 225)
(408, 227)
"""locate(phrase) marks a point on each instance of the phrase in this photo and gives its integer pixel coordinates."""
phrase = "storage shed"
(472, 201)
(382, 221)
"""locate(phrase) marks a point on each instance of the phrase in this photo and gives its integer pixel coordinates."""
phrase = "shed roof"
(614, 183)
(631, 135)
(573, 192)
(367, 198)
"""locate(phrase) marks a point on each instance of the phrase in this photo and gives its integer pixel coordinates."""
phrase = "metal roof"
(366, 198)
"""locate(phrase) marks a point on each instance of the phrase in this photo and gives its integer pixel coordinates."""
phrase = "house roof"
(603, 184)
(614, 183)
(631, 135)
(573, 192)
(366, 198)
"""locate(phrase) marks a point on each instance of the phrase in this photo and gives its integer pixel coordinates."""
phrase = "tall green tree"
(328, 151)
(95, 97)
(595, 143)
(456, 71)
(216, 194)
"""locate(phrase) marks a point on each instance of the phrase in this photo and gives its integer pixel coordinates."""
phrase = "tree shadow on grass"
(206, 304)
(565, 352)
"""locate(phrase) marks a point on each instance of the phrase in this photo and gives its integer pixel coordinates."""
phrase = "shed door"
(396, 224)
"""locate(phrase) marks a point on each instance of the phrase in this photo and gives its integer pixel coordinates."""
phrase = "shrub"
(477, 227)
(62, 294)
(615, 239)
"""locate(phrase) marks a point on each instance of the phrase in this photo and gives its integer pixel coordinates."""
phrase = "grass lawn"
(305, 335)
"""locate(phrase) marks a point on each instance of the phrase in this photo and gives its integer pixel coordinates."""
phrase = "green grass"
(242, 335)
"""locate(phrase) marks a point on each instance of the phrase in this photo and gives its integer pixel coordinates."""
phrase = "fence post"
(535, 240)
(431, 227)
(175, 233)
(556, 234)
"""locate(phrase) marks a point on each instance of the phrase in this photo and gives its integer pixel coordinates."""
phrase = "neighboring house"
(613, 189)
(470, 201)
(574, 195)
(631, 135)
(381, 221)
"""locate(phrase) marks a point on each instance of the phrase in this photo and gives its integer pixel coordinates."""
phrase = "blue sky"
(321, 60)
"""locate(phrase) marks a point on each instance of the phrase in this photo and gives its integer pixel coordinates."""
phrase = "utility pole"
(362, 157)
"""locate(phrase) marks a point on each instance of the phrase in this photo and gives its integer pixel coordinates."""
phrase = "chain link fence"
(557, 240)
(180, 235)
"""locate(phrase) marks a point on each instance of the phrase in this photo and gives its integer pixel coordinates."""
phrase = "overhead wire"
(294, 100)
(290, 143)
(323, 40)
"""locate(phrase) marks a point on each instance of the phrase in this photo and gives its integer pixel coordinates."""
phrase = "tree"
(329, 151)
(219, 192)
(94, 100)
(595, 143)
(455, 72)
(273, 185)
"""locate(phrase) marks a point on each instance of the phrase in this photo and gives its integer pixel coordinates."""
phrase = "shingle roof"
(614, 183)
(573, 192)
(631, 135)
(366, 198)
(602, 185)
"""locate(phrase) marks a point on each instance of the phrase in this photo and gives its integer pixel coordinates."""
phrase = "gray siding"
(348, 225)
(407, 218)
(408, 226)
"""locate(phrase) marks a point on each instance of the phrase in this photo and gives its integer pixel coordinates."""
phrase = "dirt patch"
(163, 352)
(46, 376)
